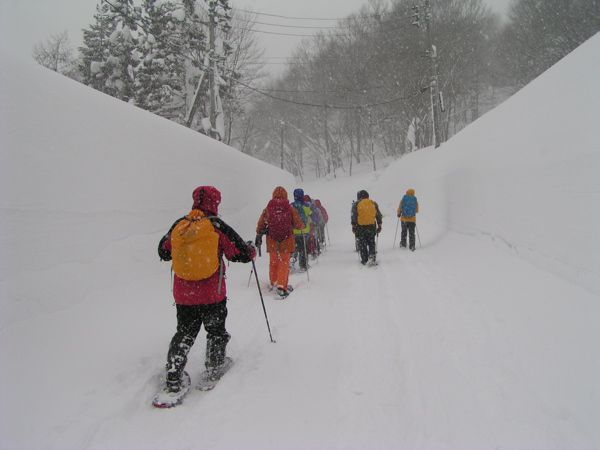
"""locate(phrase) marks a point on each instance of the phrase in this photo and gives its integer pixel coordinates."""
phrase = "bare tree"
(539, 33)
(56, 54)
(243, 67)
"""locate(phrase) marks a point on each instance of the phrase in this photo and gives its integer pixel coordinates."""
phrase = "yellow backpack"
(366, 212)
(195, 247)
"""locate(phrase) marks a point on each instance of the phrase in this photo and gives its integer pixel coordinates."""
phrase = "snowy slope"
(461, 344)
(94, 171)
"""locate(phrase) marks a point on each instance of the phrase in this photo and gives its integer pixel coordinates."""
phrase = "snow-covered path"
(461, 344)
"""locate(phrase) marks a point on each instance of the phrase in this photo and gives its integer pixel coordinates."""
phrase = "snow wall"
(526, 174)
(122, 172)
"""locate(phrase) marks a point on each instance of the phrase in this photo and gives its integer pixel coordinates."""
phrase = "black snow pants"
(189, 320)
(410, 228)
(301, 244)
(365, 235)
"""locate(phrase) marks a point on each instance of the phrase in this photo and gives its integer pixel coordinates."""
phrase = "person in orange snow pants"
(277, 221)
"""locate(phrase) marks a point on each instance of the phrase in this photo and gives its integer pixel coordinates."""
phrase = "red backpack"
(279, 219)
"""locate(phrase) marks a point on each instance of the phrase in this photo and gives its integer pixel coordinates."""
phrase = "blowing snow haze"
(485, 337)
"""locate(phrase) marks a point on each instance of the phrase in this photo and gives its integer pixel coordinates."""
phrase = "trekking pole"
(250, 277)
(262, 301)
(327, 229)
(305, 256)
(396, 233)
(417, 230)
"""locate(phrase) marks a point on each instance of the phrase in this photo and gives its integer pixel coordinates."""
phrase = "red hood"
(207, 199)
(281, 193)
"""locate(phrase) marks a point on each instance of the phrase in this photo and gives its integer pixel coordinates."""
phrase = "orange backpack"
(367, 212)
(195, 247)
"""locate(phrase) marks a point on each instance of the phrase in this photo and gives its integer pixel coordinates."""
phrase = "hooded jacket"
(315, 212)
(323, 211)
(409, 193)
(298, 204)
(288, 245)
(363, 196)
(231, 246)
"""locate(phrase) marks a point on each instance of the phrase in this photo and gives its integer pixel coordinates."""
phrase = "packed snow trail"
(414, 353)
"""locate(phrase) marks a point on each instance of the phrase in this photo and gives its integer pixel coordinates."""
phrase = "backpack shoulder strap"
(244, 256)
(164, 254)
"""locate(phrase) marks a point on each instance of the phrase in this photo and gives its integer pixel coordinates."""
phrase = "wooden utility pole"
(327, 148)
(282, 124)
(433, 85)
(212, 57)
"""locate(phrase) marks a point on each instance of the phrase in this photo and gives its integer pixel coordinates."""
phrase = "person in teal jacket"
(301, 235)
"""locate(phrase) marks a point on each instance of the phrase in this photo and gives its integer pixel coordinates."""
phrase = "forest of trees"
(363, 90)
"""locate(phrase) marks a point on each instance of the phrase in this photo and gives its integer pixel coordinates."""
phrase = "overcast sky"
(24, 23)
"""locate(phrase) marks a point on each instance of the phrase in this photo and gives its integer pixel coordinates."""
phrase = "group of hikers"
(366, 221)
(197, 243)
(295, 231)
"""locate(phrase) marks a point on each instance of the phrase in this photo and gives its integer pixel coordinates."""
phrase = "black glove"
(378, 229)
(251, 250)
(258, 240)
(354, 229)
(164, 254)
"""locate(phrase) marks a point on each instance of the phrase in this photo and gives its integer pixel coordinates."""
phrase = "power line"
(304, 91)
(283, 25)
(258, 13)
(285, 34)
(330, 34)
(265, 92)
(326, 91)
(331, 106)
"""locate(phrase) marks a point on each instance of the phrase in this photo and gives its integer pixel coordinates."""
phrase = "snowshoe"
(282, 293)
(210, 377)
(171, 396)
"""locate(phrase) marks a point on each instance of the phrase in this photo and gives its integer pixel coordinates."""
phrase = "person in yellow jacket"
(278, 221)
(301, 234)
(407, 212)
(366, 222)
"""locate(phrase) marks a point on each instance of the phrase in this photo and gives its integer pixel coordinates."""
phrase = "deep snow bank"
(80, 170)
(526, 175)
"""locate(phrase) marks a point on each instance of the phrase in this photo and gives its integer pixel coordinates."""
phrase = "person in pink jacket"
(202, 302)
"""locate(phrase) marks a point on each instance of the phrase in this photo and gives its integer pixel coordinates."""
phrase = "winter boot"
(174, 391)
(174, 382)
(283, 293)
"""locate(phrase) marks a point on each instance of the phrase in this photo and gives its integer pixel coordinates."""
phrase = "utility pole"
(433, 85)
(215, 17)
(282, 125)
(327, 149)
(431, 53)
(212, 58)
